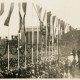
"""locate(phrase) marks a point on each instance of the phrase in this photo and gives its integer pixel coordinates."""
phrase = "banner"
(48, 25)
(20, 23)
(6, 23)
(2, 9)
(24, 7)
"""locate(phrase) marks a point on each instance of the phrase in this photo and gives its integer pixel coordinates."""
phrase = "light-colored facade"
(31, 33)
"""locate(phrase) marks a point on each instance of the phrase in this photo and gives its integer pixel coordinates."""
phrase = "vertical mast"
(32, 35)
(58, 42)
(52, 36)
(8, 48)
(37, 42)
(46, 41)
(18, 50)
(25, 50)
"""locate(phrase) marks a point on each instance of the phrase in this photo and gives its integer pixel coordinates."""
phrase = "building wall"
(29, 36)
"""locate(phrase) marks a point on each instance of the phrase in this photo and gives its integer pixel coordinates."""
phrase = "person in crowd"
(74, 53)
(78, 54)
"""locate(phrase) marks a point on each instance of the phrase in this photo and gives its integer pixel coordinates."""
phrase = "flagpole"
(37, 44)
(53, 32)
(25, 37)
(52, 41)
(18, 50)
(7, 24)
(46, 43)
(58, 46)
(41, 50)
(8, 48)
(49, 49)
(57, 43)
(25, 51)
(32, 35)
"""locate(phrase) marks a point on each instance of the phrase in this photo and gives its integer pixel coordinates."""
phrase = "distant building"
(29, 35)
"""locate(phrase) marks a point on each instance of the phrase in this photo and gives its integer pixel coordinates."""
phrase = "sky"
(67, 10)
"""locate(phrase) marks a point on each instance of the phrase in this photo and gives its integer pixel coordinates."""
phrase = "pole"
(58, 46)
(41, 49)
(18, 50)
(8, 48)
(32, 34)
(25, 51)
(37, 44)
(52, 41)
(49, 51)
(46, 43)
(25, 38)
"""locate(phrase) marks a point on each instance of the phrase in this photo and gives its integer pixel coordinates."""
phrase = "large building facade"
(31, 34)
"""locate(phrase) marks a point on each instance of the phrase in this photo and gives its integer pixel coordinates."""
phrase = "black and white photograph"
(40, 39)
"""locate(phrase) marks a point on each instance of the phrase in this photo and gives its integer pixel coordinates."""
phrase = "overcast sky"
(67, 10)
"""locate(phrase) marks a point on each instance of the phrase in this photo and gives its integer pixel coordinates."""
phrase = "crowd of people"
(46, 69)
(43, 70)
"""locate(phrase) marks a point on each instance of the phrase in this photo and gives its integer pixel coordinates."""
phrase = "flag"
(24, 23)
(38, 10)
(62, 26)
(6, 23)
(58, 22)
(53, 23)
(24, 7)
(48, 25)
(42, 27)
(70, 28)
(66, 28)
(59, 29)
(2, 9)
(20, 23)
(53, 19)
(44, 15)
(48, 22)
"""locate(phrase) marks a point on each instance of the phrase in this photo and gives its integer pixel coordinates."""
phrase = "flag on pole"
(22, 19)
(6, 23)
(2, 9)
(24, 10)
(38, 9)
